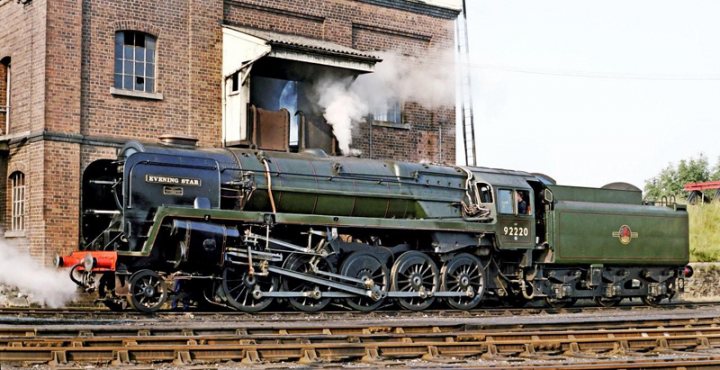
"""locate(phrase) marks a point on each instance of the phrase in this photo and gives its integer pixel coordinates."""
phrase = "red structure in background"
(700, 186)
(697, 189)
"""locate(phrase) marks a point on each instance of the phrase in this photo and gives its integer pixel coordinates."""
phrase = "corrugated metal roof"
(310, 44)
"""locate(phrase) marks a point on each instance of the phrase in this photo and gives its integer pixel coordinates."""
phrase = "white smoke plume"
(342, 107)
(44, 285)
(428, 81)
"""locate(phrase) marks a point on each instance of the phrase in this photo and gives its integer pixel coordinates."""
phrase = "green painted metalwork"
(586, 233)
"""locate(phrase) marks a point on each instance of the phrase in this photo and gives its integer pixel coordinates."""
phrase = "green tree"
(715, 174)
(672, 179)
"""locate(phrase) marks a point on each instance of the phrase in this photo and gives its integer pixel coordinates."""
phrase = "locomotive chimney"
(178, 140)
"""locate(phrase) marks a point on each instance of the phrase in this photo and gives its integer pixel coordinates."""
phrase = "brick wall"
(189, 57)
(23, 41)
(64, 25)
(22, 38)
(61, 192)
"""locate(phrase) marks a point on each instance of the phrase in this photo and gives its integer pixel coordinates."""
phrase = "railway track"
(101, 313)
(653, 338)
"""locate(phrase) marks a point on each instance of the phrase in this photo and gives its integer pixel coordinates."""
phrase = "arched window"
(17, 191)
(5, 96)
(135, 61)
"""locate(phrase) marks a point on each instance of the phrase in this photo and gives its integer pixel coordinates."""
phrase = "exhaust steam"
(43, 285)
(428, 81)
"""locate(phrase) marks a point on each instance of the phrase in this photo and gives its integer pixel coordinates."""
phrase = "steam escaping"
(428, 81)
(342, 107)
(44, 285)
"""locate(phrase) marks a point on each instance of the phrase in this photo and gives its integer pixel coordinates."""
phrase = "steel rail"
(368, 348)
(371, 344)
(322, 327)
(295, 315)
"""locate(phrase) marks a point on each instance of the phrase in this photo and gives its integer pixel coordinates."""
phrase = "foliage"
(672, 178)
(705, 232)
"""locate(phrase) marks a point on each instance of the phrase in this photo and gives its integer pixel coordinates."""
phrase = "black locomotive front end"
(119, 200)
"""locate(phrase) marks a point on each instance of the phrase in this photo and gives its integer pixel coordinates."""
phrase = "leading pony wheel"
(147, 291)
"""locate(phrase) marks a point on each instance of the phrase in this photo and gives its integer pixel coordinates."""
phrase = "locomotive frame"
(244, 228)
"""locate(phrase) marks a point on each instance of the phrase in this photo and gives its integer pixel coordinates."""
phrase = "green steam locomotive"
(249, 229)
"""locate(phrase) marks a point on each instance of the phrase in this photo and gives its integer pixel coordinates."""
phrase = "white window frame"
(382, 115)
(17, 201)
(148, 64)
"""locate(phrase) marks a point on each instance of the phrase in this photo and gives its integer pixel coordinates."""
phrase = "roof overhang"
(243, 46)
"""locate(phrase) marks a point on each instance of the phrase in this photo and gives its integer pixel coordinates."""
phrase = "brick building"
(80, 77)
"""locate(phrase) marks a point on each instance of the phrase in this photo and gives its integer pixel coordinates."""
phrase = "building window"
(135, 61)
(235, 82)
(390, 114)
(17, 191)
(5, 95)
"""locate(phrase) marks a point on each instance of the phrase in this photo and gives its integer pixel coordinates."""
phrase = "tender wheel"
(608, 302)
(463, 273)
(365, 266)
(652, 301)
(415, 272)
(560, 303)
(304, 264)
(241, 289)
(147, 291)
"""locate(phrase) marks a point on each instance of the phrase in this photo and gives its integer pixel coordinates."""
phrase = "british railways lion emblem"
(625, 234)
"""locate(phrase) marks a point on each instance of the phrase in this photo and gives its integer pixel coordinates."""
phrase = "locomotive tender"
(244, 228)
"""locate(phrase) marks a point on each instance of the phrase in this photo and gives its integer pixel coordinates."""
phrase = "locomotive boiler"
(245, 228)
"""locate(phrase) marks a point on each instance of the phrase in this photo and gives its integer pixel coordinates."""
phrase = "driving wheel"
(366, 267)
(242, 290)
(463, 274)
(415, 272)
(306, 264)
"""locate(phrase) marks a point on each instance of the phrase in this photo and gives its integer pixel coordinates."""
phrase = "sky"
(593, 92)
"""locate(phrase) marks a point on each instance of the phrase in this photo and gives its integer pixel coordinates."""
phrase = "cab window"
(514, 202)
(505, 202)
(522, 198)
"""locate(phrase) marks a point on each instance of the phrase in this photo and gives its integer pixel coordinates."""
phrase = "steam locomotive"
(244, 228)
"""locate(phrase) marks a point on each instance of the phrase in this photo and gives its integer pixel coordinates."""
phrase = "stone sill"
(136, 94)
(15, 234)
(401, 126)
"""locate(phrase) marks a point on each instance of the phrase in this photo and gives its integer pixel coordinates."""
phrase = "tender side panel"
(588, 233)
